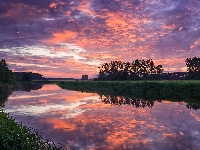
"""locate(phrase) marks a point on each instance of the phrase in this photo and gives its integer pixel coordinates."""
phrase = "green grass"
(15, 136)
(149, 90)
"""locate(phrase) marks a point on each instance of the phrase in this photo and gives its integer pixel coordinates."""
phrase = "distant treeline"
(143, 70)
(9, 77)
(28, 76)
(6, 75)
(138, 69)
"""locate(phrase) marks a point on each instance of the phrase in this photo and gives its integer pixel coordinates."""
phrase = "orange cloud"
(52, 5)
(51, 73)
(81, 66)
(85, 7)
(171, 135)
(169, 26)
(68, 13)
(169, 61)
(61, 37)
(44, 101)
(116, 21)
(196, 43)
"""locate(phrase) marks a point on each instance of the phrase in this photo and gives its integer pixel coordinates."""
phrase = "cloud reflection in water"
(86, 121)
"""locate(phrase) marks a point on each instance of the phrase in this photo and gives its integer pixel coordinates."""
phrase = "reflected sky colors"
(60, 38)
(83, 121)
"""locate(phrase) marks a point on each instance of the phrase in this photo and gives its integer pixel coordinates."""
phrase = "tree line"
(6, 75)
(136, 70)
(142, 70)
(117, 70)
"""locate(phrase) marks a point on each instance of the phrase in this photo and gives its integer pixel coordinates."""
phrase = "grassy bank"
(16, 136)
(152, 90)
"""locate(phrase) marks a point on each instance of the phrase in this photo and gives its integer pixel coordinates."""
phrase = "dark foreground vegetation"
(15, 136)
(188, 91)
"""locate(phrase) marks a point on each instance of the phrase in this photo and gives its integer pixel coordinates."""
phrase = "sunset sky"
(68, 38)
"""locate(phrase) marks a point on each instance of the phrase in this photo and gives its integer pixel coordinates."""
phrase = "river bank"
(14, 135)
(151, 90)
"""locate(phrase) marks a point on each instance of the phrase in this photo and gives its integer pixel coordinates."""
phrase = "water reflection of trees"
(28, 87)
(136, 102)
(119, 100)
(193, 106)
(5, 92)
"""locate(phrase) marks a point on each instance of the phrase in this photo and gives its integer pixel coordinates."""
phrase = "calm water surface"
(87, 121)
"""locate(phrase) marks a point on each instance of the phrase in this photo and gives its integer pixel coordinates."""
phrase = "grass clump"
(15, 136)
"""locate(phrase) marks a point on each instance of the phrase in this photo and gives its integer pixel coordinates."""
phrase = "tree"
(6, 75)
(26, 76)
(138, 69)
(2, 73)
(193, 67)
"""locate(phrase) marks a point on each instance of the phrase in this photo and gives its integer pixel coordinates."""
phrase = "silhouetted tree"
(193, 67)
(6, 75)
(138, 69)
(2, 73)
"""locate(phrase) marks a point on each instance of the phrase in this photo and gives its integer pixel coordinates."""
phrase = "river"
(88, 121)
